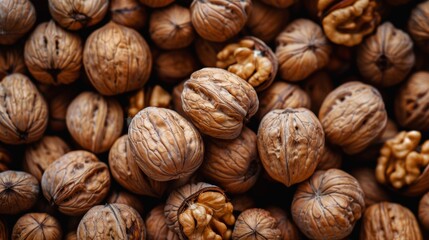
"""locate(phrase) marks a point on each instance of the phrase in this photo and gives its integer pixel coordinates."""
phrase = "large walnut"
(254, 224)
(374, 192)
(117, 59)
(11, 61)
(290, 144)
(328, 205)
(423, 211)
(37, 226)
(218, 102)
(76, 182)
(17, 17)
(174, 66)
(156, 225)
(279, 3)
(287, 227)
(130, 13)
(318, 86)
(124, 197)
(156, 3)
(177, 98)
(418, 25)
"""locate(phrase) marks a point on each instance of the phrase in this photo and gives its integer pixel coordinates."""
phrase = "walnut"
(374, 192)
(23, 111)
(348, 22)
(77, 14)
(58, 109)
(250, 59)
(18, 192)
(94, 121)
(112, 221)
(328, 205)
(219, 21)
(232, 164)
(156, 3)
(302, 49)
(290, 144)
(130, 13)
(117, 59)
(71, 236)
(5, 159)
(423, 211)
(287, 227)
(279, 3)
(318, 86)
(126, 198)
(353, 115)
(342, 60)
(166, 145)
(387, 220)
(207, 51)
(256, 223)
(418, 25)
(156, 225)
(4, 234)
(177, 98)
(397, 2)
(331, 158)
(242, 203)
(37, 226)
(17, 17)
(75, 182)
(218, 102)
(199, 211)
(11, 61)
(176, 65)
(39, 155)
(171, 27)
(154, 96)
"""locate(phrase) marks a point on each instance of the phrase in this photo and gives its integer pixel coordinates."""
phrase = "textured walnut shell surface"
(126, 198)
(94, 121)
(71, 236)
(318, 86)
(58, 109)
(23, 111)
(130, 13)
(176, 65)
(75, 182)
(418, 25)
(218, 102)
(117, 59)
(287, 227)
(256, 223)
(112, 221)
(17, 17)
(279, 3)
(37, 226)
(18, 192)
(5, 159)
(290, 144)
(328, 205)
(177, 98)
(330, 158)
(423, 212)
(156, 225)
(11, 61)
(352, 116)
(156, 3)
(374, 192)
(207, 51)
(242, 202)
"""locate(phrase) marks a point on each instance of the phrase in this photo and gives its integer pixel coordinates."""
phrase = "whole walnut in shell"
(318, 86)
(17, 17)
(256, 223)
(279, 3)
(374, 192)
(76, 182)
(207, 51)
(5, 159)
(156, 225)
(37, 226)
(290, 144)
(174, 66)
(328, 205)
(156, 3)
(152, 96)
(331, 158)
(130, 13)
(177, 98)
(58, 109)
(287, 227)
(423, 212)
(11, 61)
(218, 102)
(418, 25)
(126, 198)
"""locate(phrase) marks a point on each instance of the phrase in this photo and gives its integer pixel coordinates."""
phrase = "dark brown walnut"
(39, 155)
(423, 212)
(4, 234)
(130, 13)
(23, 111)
(318, 86)
(18, 192)
(11, 61)
(71, 236)
(287, 227)
(328, 205)
(156, 3)
(117, 59)
(374, 192)
(76, 182)
(387, 220)
(94, 121)
(112, 221)
(218, 102)
(386, 58)
(58, 109)
(348, 22)
(418, 25)
(256, 223)
(301, 49)
(126, 198)
(153, 96)
(199, 211)
(207, 51)
(290, 144)
(5, 159)
(177, 98)
(77, 14)
(156, 225)
(171, 27)
(242, 203)
(250, 59)
(232, 164)
(17, 17)
(219, 21)
(331, 158)
(37, 226)
(353, 116)
(279, 3)
(175, 65)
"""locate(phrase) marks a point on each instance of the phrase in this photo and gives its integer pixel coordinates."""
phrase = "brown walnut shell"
(4, 234)
(374, 192)
(423, 211)
(279, 3)
(71, 236)
(156, 225)
(254, 224)
(130, 13)
(11, 61)
(242, 203)
(156, 3)
(287, 227)
(207, 51)
(37, 226)
(177, 98)
(418, 25)
(318, 86)
(331, 158)
(174, 66)
(17, 17)
(126, 198)
(58, 109)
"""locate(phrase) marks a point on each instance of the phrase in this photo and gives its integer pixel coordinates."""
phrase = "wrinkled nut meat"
(287, 227)
(290, 144)
(11, 61)
(279, 3)
(17, 17)
(374, 192)
(75, 182)
(37, 226)
(156, 3)
(318, 86)
(199, 211)
(418, 25)
(423, 212)
(250, 59)
(218, 102)
(174, 66)
(254, 224)
(130, 13)
(155, 96)
(328, 205)
(126, 198)
(156, 225)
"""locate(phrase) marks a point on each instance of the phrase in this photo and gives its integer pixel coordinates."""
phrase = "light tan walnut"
(37, 226)
(17, 17)
(11, 61)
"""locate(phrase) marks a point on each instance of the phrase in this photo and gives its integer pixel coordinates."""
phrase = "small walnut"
(328, 205)
(331, 158)
(318, 86)
(279, 3)
(301, 49)
(256, 223)
(17, 17)
(199, 211)
(348, 22)
(130, 13)
(156, 225)
(94, 121)
(23, 111)
(177, 98)
(387, 220)
(58, 109)
(287, 227)
(353, 116)
(176, 65)
(154, 96)
(117, 59)
(75, 182)
(290, 144)
(207, 51)
(418, 25)
(18, 192)
(126, 198)
(11, 61)
(37, 226)
(156, 3)
(374, 192)
(112, 221)
(218, 102)
(4, 234)
(423, 212)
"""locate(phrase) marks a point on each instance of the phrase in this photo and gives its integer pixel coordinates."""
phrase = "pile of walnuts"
(214, 119)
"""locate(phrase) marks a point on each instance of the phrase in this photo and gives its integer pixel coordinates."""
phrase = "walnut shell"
(218, 102)
(207, 51)
(5, 159)
(256, 223)
(11, 61)
(117, 59)
(331, 158)
(242, 203)
(17, 17)
(71, 236)
(328, 205)
(418, 25)
(156, 3)
(374, 192)
(423, 212)
(287, 227)
(353, 116)
(75, 182)
(279, 3)
(58, 109)
(4, 234)
(176, 65)
(177, 98)
(290, 144)
(156, 225)
(37, 226)
(94, 121)
(130, 13)
(112, 221)
(23, 111)
(18, 192)
(126, 198)
(318, 86)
